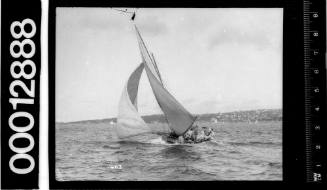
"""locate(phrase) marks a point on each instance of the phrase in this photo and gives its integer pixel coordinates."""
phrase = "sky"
(211, 60)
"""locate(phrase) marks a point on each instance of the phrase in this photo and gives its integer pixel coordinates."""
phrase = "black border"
(293, 85)
(16, 10)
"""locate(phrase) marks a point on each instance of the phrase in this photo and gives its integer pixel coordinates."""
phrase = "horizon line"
(110, 118)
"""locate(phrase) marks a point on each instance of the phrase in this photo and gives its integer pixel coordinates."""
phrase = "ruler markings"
(311, 33)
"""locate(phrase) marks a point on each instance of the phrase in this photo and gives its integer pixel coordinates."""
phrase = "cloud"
(260, 28)
(233, 35)
(104, 19)
(100, 19)
(202, 81)
(151, 25)
(92, 18)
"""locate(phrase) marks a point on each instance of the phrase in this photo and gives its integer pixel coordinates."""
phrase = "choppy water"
(240, 151)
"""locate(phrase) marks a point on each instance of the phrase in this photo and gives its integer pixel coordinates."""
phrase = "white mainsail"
(129, 122)
(179, 119)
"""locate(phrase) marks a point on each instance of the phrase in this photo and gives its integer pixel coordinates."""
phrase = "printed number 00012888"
(17, 71)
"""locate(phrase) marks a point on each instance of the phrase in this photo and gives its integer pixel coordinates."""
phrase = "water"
(239, 151)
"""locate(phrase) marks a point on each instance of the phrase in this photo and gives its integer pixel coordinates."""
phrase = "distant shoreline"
(234, 116)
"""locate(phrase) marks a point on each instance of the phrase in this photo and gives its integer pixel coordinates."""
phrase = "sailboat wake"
(159, 141)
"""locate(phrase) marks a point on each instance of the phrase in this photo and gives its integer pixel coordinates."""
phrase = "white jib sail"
(129, 122)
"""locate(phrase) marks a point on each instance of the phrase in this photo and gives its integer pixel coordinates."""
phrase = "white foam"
(159, 140)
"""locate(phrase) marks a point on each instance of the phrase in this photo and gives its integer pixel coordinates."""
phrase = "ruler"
(314, 17)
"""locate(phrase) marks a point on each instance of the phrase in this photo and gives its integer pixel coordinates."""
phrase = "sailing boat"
(129, 122)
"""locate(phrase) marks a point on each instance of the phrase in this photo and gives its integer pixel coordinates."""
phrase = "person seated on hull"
(194, 135)
(171, 138)
(199, 134)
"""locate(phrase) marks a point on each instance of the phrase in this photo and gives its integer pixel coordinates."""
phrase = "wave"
(159, 141)
(276, 165)
(87, 152)
(234, 152)
(255, 143)
(111, 147)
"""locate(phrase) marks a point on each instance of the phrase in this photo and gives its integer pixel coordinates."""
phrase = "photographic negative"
(120, 94)
(165, 94)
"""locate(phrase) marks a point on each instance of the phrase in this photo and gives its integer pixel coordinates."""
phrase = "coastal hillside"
(236, 116)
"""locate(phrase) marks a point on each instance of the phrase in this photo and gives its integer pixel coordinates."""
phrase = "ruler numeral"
(318, 147)
(317, 127)
(316, 176)
(315, 34)
(316, 71)
(315, 15)
(315, 52)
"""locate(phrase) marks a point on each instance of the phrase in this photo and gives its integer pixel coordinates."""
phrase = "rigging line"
(150, 55)
(156, 68)
(124, 11)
